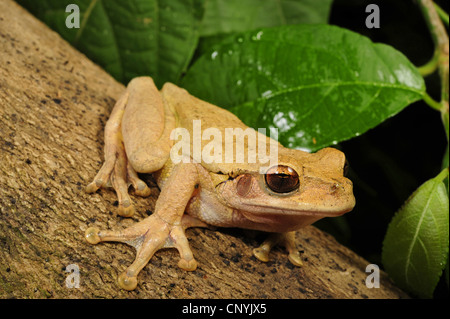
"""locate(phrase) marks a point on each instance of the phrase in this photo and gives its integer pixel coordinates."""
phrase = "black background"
(392, 160)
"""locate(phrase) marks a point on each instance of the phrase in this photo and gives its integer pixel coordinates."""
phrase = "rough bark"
(54, 103)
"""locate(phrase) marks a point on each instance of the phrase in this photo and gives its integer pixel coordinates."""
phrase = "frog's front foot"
(286, 239)
(148, 236)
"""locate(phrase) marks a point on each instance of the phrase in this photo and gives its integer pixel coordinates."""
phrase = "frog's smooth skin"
(304, 187)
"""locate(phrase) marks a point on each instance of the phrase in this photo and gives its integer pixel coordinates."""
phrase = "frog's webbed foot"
(286, 239)
(117, 170)
(118, 173)
(148, 236)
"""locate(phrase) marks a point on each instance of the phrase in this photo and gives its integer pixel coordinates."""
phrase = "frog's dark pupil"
(282, 179)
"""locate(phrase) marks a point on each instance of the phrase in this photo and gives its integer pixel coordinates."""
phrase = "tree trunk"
(54, 103)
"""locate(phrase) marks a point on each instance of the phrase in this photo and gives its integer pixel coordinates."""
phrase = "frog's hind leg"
(146, 126)
(136, 123)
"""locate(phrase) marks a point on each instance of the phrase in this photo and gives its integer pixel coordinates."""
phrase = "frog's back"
(189, 108)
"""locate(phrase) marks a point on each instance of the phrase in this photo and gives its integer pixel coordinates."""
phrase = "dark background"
(392, 160)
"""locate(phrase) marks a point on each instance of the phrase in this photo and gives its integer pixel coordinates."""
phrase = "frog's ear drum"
(244, 185)
(282, 179)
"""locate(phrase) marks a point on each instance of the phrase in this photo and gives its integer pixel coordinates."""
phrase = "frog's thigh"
(146, 126)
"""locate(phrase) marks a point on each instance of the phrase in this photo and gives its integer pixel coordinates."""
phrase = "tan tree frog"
(299, 190)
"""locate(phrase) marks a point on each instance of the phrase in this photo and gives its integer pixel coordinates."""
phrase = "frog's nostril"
(336, 187)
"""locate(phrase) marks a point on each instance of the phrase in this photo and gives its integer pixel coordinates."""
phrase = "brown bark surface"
(54, 103)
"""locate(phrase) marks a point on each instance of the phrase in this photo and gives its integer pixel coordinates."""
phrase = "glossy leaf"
(226, 16)
(415, 248)
(317, 84)
(130, 38)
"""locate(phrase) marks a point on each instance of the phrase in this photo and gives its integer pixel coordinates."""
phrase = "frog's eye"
(282, 179)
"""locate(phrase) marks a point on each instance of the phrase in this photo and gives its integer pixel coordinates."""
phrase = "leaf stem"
(431, 102)
(441, 43)
(442, 175)
(430, 66)
(442, 14)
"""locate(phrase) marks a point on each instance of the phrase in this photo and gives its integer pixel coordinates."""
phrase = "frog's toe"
(286, 239)
(261, 253)
(119, 183)
(91, 235)
(126, 282)
(140, 188)
(295, 259)
(147, 237)
(188, 265)
(93, 186)
(118, 173)
(126, 208)
(180, 242)
(102, 177)
(94, 235)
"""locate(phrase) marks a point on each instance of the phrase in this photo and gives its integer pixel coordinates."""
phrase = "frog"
(298, 190)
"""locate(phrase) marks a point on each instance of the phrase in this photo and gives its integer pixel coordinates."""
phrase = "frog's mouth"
(298, 211)
(264, 212)
(281, 221)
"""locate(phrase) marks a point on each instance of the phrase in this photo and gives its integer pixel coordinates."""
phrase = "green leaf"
(415, 248)
(130, 38)
(223, 17)
(226, 16)
(317, 84)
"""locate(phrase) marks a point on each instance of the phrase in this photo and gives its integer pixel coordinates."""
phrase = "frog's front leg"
(286, 239)
(165, 228)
